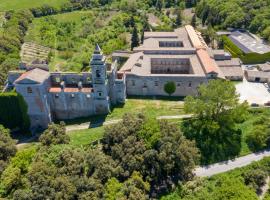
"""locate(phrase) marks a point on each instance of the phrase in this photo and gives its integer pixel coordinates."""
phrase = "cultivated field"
(6, 5)
(31, 51)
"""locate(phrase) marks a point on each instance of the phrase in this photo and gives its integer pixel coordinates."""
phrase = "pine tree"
(194, 21)
(135, 38)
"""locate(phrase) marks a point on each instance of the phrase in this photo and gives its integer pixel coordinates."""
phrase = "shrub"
(170, 87)
(55, 134)
(13, 111)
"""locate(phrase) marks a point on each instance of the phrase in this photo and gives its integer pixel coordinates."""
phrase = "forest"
(252, 15)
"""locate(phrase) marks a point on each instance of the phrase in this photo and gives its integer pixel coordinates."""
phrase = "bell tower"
(99, 81)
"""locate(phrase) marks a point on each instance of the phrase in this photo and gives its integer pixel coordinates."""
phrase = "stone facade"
(62, 96)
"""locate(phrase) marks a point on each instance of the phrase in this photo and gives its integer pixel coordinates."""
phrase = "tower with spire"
(99, 81)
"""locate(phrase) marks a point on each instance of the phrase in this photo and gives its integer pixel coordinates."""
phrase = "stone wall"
(154, 85)
(35, 95)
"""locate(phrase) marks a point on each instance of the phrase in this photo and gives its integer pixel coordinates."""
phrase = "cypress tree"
(135, 38)
(194, 21)
(159, 4)
(178, 21)
(142, 36)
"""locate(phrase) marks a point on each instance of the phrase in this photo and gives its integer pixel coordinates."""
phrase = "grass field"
(6, 5)
(150, 107)
(85, 137)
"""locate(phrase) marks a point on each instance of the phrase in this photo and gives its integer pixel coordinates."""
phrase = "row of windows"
(73, 80)
(73, 95)
(156, 83)
(170, 62)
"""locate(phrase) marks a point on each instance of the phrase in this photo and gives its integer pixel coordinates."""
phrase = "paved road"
(231, 164)
(175, 117)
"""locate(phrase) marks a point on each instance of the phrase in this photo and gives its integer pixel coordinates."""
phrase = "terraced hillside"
(32, 51)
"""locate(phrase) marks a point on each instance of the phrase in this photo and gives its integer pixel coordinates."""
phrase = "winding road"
(210, 170)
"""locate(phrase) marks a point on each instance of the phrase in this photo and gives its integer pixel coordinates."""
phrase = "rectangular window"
(189, 85)
(156, 83)
(133, 83)
(29, 90)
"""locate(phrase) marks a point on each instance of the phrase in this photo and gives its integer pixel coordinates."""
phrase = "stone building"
(62, 96)
(181, 56)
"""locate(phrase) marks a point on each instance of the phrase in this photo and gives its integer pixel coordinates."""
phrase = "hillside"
(6, 5)
(253, 15)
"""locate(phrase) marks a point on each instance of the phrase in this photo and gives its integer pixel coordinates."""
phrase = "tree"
(170, 87)
(159, 4)
(134, 38)
(194, 21)
(178, 21)
(142, 37)
(216, 114)
(7, 147)
(55, 134)
(258, 137)
(255, 178)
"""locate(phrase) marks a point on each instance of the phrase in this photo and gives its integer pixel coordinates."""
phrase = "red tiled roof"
(55, 89)
(207, 62)
(195, 40)
(37, 75)
(87, 90)
(70, 90)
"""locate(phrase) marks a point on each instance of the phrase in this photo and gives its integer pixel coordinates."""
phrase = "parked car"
(254, 105)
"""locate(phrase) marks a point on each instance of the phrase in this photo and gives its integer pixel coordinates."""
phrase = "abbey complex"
(181, 57)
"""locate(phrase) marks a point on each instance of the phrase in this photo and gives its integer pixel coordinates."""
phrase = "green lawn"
(152, 108)
(6, 5)
(86, 136)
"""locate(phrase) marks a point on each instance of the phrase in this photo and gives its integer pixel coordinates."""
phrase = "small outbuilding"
(257, 76)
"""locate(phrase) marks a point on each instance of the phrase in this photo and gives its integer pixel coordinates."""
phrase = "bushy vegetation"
(252, 15)
(240, 184)
(13, 111)
(216, 115)
(55, 134)
(7, 148)
(135, 160)
(11, 39)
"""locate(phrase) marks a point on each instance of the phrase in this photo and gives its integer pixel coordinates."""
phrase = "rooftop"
(182, 52)
(36, 75)
(247, 43)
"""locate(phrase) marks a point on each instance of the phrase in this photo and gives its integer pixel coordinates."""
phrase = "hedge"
(13, 111)
(247, 58)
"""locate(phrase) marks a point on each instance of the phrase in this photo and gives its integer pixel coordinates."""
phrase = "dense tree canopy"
(55, 134)
(7, 147)
(253, 15)
(216, 111)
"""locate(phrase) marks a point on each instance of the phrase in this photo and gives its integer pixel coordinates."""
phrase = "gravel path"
(210, 170)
